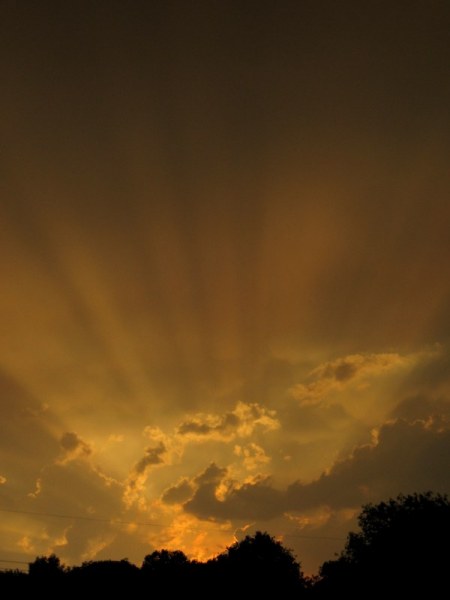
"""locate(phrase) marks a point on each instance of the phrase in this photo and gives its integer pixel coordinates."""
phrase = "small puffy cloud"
(73, 448)
(37, 489)
(173, 445)
(155, 435)
(241, 422)
(253, 415)
(2, 480)
(348, 367)
(352, 369)
(152, 456)
(135, 483)
(116, 438)
(253, 456)
(197, 427)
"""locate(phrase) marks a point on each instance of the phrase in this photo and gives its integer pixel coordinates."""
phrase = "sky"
(224, 267)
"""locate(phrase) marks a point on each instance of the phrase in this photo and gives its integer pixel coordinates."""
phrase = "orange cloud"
(240, 422)
(351, 370)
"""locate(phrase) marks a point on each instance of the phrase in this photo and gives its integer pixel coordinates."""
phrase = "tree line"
(402, 547)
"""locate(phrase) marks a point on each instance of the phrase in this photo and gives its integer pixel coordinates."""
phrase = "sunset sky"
(224, 270)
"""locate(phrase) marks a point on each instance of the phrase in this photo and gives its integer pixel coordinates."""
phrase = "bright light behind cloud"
(224, 245)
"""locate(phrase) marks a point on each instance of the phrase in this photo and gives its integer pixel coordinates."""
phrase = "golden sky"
(224, 266)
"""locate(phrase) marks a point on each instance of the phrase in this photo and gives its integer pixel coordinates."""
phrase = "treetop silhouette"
(402, 547)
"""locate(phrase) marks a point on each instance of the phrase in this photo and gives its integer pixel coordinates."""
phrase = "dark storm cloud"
(179, 493)
(257, 501)
(432, 376)
(406, 457)
(426, 392)
(211, 476)
(422, 407)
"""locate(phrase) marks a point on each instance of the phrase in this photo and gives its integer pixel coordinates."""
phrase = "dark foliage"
(402, 548)
(107, 569)
(256, 564)
(45, 567)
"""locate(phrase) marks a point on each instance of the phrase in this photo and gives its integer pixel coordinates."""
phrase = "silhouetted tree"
(46, 566)
(164, 562)
(257, 564)
(402, 547)
(108, 569)
(12, 574)
(167, 570)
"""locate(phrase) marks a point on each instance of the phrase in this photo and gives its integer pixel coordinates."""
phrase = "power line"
(80, 517)
(5, 569)
(145, 523)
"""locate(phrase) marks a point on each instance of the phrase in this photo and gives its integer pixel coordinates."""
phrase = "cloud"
(37, 489)
(209, 424)
(402, 457)
(135, 484)
(253, 456)
(75, 489)
(240, 422)
(2, 480)
(212, 475)
(336, 375)
(256, 500)
(116, 438)
(71, 442)
(205, 497)
(152, 456)
(178, 493)
(168, 448)
(73, 448)
(26, 440)
(422, 407)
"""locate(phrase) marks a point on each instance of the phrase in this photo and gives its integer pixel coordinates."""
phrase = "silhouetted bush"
(402, 548)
